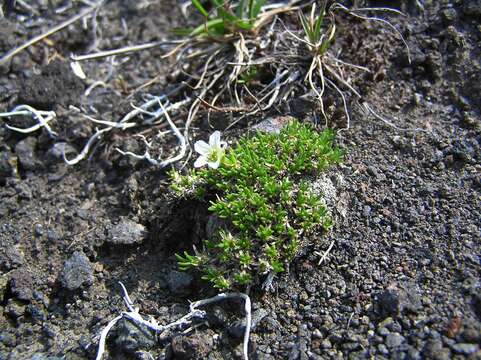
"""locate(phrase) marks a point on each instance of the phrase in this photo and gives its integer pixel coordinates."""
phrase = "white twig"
(373, 18)
(326, 253)
(134, 315)
(119, 51)
(112, 124)
(371, 111)
(177, 133)
(87, 146)
(42, 117)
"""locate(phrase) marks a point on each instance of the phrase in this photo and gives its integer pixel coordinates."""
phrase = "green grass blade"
(215, 26)
(255, 8)
(305, 26)
(200, 8)
(240, 9)
(317, 28)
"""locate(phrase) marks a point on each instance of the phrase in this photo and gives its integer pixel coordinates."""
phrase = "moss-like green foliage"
(268, 208)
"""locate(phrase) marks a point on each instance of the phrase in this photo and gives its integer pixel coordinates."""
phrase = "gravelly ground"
(401, 282)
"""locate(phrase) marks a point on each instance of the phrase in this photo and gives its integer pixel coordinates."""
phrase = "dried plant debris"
(245, 60)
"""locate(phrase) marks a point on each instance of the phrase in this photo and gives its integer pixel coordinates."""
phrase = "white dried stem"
(121, 51)
(134, 315)
(335, 59)
(112, 124)
(42, 117)
(86, 147)
(326, 253)
(373, 18)
(156, 162)
(371, 111)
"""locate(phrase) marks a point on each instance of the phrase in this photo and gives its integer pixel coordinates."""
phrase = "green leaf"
(255, 8)
(200, 8)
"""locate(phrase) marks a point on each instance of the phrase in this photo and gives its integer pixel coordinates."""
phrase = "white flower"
(211, 153)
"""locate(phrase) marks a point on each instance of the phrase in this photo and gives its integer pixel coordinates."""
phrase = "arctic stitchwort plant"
(258, 190)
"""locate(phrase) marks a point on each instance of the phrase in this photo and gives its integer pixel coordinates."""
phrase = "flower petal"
(202, 147)
(214, 138)
(214, 164)
(201, 161)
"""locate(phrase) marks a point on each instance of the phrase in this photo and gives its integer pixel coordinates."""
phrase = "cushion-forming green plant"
(267, 206)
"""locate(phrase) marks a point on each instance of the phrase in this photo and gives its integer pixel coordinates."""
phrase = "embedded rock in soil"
(77, 272)
(217, 317)
(8, 164)
(131, 337)
(58, 150)
(25, 150)
(397, 299)
(387, 303)
(56, 85)
(272, 125)
(179, 282)
(465, 349)
(394, 340)
(8, 41)
(8, 38)
(434, 350)
(21, 284)
(193, 347)
(476, 303)
(10, 258)
(126, 232)
(237, 329)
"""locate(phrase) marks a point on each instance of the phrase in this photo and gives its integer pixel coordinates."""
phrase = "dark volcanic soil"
(401, 282)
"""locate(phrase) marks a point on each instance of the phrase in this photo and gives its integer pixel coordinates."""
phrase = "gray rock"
(317, 334)
(11, 258)
(396, 300)
(25, 150)
(465, 349)
(15, 309)
(471, 335)
(383, 331)
(126, 232)
(394, 340)
(131, 337)
(24, 191)
(37, 314)
(272, 125)
(237, 329)
(77, 272)
(388, 303)
(8, 164)
(179, 282)
(21, 284)
(434, 350)
(448, 15)
(7, 339)
(472, 8)
(194, 347)
(217, 316)
(57, 151)
(382, 349)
